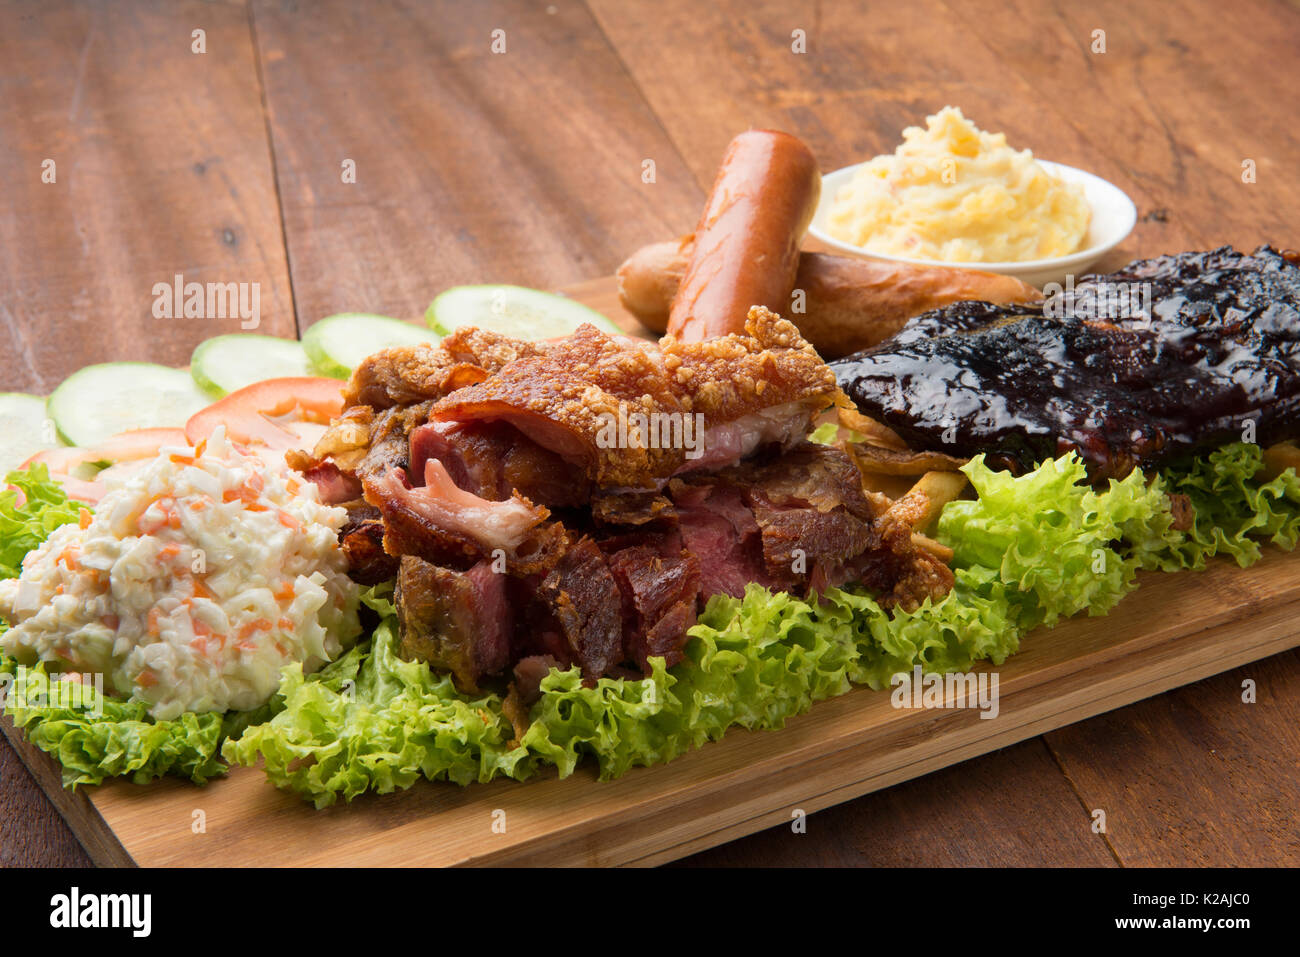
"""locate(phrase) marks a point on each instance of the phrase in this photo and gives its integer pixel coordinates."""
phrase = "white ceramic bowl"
(1113, 218)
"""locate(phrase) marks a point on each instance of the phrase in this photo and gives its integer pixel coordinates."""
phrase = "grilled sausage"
(848, 303)
(746, 249)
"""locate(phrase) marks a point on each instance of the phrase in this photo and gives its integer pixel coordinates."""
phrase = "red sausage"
(747, 243)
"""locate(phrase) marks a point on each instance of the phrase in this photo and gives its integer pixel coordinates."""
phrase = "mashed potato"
(194, 582)
(955, 193)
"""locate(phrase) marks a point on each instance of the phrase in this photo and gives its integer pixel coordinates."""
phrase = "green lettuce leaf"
(1234, 510)
(23, 527)
(373, 722)
(96, 736)
(379, 599)
(1057, 544)
(976, 621)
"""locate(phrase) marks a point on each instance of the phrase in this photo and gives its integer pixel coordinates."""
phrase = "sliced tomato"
(278, 414)
(124, 453)
(129, 446)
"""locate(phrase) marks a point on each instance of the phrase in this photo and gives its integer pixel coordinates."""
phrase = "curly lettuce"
(1028, 551)
(1059, 546)
(371, 721)
(1233, 510)
(30, 510)
(96, 736)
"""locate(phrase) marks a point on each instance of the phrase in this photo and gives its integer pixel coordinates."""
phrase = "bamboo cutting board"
(1176, 629)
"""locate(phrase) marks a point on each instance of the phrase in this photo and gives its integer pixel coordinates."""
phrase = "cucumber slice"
(337, 344)
(106, 399)
(25, 429)
(512, 310)
(226, 363)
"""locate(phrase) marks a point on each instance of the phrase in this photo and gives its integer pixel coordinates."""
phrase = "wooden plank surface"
(161, 166)
(1166, 112)
(1192, 778)
(1199, 777)
(1179, 631)
(1039, 823)
(523, 166)
(1190, 114)
(1176, 100)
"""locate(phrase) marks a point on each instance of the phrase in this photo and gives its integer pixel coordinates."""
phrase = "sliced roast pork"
(577, 502)
(456, 621)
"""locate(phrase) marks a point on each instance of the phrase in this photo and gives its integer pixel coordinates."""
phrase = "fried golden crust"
(488, 350)
(405, 374)
(567, 396)
(732, 376)
(571, 396)
(606, 403)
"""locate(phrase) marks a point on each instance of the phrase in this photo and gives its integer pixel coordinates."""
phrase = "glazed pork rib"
(1214, 346)
(577, 501)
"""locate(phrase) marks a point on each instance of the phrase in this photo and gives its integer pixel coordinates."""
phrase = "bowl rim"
(1095, 251)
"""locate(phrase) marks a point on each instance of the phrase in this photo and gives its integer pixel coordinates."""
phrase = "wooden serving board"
(1174, 630)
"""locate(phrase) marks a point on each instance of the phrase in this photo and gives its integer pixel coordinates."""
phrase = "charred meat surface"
(1206, 341)
(660, 594)
(583, 600)
(457, 621)
(362, 541)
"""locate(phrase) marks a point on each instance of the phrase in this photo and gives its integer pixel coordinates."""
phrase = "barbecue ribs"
(1211, 354)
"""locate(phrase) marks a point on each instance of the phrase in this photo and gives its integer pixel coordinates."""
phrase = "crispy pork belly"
(735, 376)
(489, 350)
(625, 414)
(631, 415)
(566, 399)
(406, 374)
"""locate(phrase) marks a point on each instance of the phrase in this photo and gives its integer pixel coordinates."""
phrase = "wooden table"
(527, 166)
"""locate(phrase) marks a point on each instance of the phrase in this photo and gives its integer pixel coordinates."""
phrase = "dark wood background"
(525, 167)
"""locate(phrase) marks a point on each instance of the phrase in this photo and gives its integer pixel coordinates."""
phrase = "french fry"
(887, 461)
(921, 506)
(1278, 458)
(937, 549)
(873, 432)
(883, 490)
